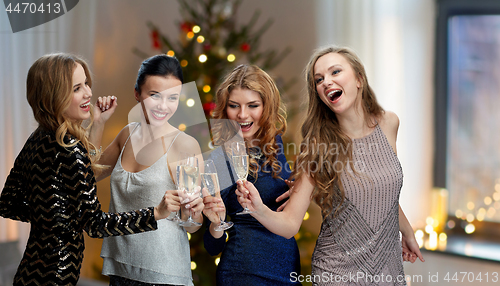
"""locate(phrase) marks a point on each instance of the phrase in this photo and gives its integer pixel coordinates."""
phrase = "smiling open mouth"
(85, 105)
(334, 95)
(245, 126)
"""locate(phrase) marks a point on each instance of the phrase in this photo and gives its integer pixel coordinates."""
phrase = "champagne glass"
(211, 182)
(175, 217)
(240, 164)
(189, 178)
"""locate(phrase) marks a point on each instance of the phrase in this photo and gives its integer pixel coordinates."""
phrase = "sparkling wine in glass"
(175, 217)
(189, 174)
(240, 165)
(211, 182)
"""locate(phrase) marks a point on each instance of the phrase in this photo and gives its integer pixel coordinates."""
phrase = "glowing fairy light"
(170, 53)
(217, 260)
(429, 220)
(419, 234)
(306, 216)
(443, 236)
(470, 228)
(470, 217)
(196, 29)
(450, 224)
(193, 265)
(200, 39)
(184, 63)
(182, 127)
(190, 35)
(470, 205)
(496, 196)
(231, 58)
(190, 102)
(206, 88)
(202, 58)
(433, 240)
(487, 201)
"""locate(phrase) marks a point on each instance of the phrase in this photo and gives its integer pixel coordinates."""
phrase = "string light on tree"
(190, 102)
(205, 57)
(170, 53)
(306, 216)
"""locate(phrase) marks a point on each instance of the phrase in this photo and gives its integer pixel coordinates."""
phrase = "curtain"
(72, 32)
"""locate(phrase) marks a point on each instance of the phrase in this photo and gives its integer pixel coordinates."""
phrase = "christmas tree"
(211, 43)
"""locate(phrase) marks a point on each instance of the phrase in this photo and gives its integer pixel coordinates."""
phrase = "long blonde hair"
(49, 89)
(321, 128)
(273, 119)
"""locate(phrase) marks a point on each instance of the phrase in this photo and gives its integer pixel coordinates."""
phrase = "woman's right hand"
(214, 207)
(105, 107)
(170, 203)
(248, 196)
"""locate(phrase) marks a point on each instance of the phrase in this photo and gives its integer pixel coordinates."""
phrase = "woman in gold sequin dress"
(52, 183)
(349, 167)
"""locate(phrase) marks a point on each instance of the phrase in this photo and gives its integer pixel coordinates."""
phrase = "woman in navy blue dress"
(252, 255)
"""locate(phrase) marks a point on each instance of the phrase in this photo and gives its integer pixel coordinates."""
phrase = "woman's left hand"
(410, 249)
(104, 107)
(285, 195)
(196, 206)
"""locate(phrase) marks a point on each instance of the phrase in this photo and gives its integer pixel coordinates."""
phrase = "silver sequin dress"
(162, 257)
(361, 245)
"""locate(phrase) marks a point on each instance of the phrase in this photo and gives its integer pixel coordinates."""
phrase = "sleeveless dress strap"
(126, 141)
(166, 151)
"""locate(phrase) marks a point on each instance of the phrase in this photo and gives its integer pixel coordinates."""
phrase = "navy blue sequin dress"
(253, 255)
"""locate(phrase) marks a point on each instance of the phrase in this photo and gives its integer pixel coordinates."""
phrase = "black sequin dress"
(53, 188)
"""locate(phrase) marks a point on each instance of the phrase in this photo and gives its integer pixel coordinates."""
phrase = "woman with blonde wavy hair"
(52, 184)
(349, 167)
(252, 255)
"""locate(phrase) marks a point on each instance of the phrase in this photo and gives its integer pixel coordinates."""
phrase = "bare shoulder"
(125, 133)
(186, 143)
(389, 122)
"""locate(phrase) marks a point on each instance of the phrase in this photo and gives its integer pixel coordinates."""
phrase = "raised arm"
(103, 109)
(287, 222)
